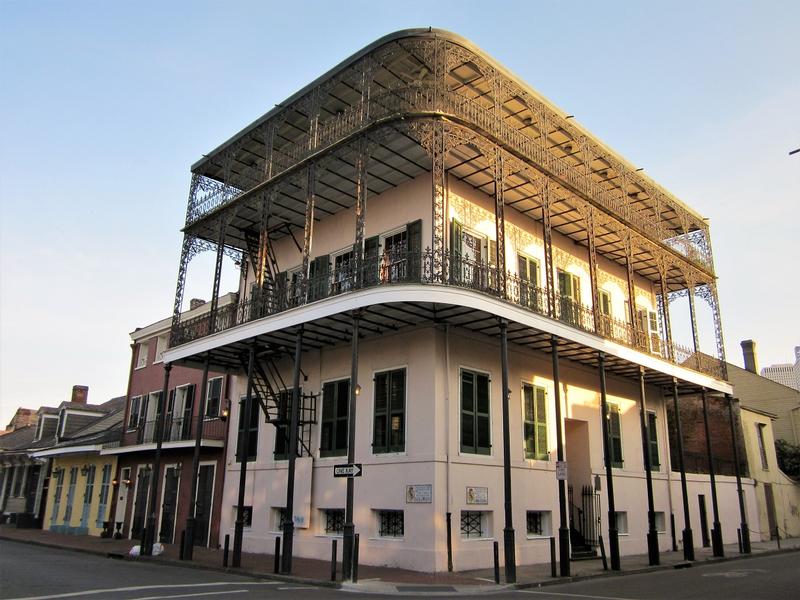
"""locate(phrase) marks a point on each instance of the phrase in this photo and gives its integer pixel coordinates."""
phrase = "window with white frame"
(534, 415)
(133, 417)
(141, 354)
(475, 417)
(475, 524)
(388, 432)
(661, 522)
(539, 523)
(647, 323)
(213, 397)
(390, 523)
(161, 346)
(621, 518)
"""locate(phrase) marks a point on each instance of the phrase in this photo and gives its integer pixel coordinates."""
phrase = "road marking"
(191, 595)
(299, 587)
(572, 595)
(144, 587)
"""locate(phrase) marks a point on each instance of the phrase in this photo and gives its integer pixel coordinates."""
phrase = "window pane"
(379, 433)
(381, 392)
(482, 394)
(483, 432)
(467, 392)
(467, 431)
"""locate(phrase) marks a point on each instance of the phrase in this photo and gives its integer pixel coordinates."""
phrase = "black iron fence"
(176, 429)
(429, 268)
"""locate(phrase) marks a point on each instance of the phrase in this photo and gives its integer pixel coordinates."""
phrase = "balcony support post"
(716, 531)
(217, 277)
(243, 451)
(291, 452)
(361, 212)
(499, 220)
(693, 318)
(260, 267)
(269, 141)
(688, 539)
(743, 526)
(150, 531)
(191, 520)
(348, 533)
(187, 250)
(548, 249)
(563, 528)
(509, 550)
(662, 277)
(713, 299)
(613, 533)
(628, 243)
(308, 229)
(439, 201)
(652, 534)
(591, 242)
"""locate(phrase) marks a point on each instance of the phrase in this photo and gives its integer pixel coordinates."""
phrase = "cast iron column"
(652, 534)
(613, 534)
(244, 452)
(743, 526)
(188, 548)
(348, 534)
(150, 533)
(716, 531)
(508, 532)
(688, 540)
(288, 522)
(563, 529)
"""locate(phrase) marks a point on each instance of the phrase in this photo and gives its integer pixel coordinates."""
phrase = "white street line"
(144, 587)
(299, 587)
(484, 579)
(191, 595)
(572, 595)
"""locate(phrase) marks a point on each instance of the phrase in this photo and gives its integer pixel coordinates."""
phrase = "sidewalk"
(382, 579)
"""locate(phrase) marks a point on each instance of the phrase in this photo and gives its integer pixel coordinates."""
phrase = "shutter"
(414, 237)
(456, 232)
(397, 398)
(492, 253)
(529, 429)
(576, 288)
(280, 294)
(653, 435)
(371, 260)
(379, 437)
(467, 412)
(320, 283)
(541, 423)
(482, 410)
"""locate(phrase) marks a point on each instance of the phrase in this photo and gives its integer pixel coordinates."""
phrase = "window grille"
(334, 521)
(535, 522)
(280, 518)
(390, 523)
(472, 524)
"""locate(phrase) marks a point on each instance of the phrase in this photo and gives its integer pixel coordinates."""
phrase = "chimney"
(195, 303)
(80, 394)
(749, 353)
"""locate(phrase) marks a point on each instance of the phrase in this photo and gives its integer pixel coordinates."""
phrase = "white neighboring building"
(787, 374)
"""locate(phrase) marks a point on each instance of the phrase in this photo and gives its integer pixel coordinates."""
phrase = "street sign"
(349, 470)
(561, 470)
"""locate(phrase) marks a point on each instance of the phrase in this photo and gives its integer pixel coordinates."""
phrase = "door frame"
(213, 464)
(178, 467)
(139, 468)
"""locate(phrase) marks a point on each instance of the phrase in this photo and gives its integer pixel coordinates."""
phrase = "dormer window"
(161, 347)
(141, 355)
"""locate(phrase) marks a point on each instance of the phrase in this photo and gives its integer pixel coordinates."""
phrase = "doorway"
(584, 502)
(772, 519)
(704, 521)
(169, 504)
(140, 502)
(204, 504)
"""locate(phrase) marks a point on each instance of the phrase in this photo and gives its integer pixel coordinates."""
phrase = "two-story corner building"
(425, 237)
(81, 480)
(136, 448)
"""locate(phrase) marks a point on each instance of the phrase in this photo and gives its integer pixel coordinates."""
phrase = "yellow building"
(81, 487)
(777, 495)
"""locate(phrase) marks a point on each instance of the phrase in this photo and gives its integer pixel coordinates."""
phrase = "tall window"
(73, 479)
(534, 414)
(57, 495)
(569, 292)
(133, 417)
(652, 432)
(213, 397)
(528, 269)
(388, 434)
(141, 355)
(335, 397)
(615, 433)
(762, 449)
(285, 398)
(251, 431)
(475, 424)
(104, 486)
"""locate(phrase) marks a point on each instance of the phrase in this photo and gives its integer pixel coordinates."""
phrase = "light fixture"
(226, 411)
(358, 390)
(115, 482)
(85, 470)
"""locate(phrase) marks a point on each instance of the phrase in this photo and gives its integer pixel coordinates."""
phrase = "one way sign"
(348, 470)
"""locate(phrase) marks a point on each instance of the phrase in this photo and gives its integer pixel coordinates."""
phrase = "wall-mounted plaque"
(477, 495)
(419, 494)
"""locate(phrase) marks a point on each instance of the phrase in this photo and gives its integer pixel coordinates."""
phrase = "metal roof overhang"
(327, 323)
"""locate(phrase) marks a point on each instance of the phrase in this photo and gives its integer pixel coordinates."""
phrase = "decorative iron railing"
(418, 268)
(430, 98)
(176, 429)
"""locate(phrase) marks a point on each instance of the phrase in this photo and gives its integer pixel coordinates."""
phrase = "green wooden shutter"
(371, 260)
(529, 420)
(467, 412)
(615, 433)
(456, 232)
(397, 408)
(482, 414)
(541, 423)
(280, 294)
(379, 429)
(319, 281)
(414, 237)
(652, 434)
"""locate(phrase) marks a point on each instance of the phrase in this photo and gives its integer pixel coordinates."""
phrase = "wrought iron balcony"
(176, 429)
(418, 268)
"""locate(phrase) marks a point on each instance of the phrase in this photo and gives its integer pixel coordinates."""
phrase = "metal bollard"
(496, 564)
(225, 550)
(603, 552)
(355, 559)
(277, 566)
(778, 536)
(333, 560)
(739, 539)
(553, 571)
(183, 544)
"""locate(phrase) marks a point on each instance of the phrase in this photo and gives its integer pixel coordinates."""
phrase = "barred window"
(538, 522)
(334, 521)
(473, 524)
(390, 523)
(278, 518)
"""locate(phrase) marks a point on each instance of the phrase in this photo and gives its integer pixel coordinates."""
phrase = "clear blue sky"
(105, 105)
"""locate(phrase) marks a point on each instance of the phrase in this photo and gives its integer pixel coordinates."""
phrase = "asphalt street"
(38, 573)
